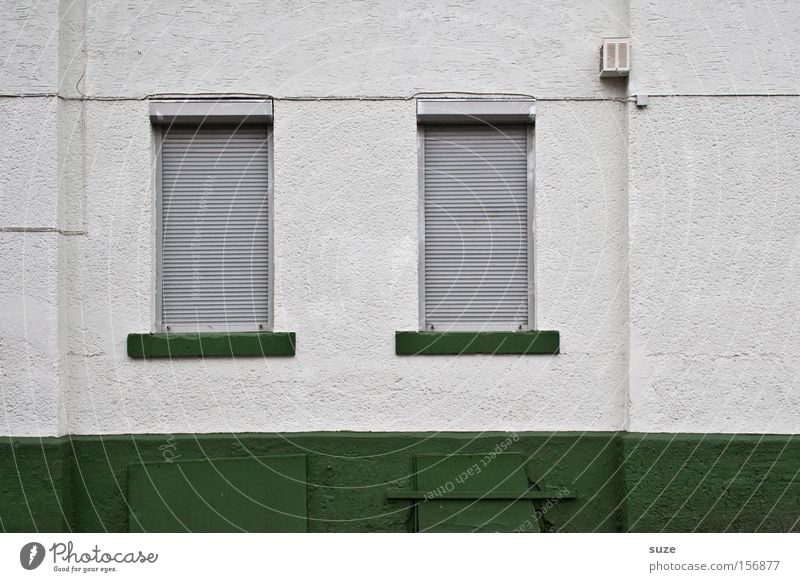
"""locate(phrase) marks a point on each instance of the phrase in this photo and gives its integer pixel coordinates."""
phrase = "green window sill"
(180, 345)
(431, 343)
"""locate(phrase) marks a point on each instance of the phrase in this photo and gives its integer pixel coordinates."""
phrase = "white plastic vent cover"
(476, 227)
(215, 240)
(615, 57)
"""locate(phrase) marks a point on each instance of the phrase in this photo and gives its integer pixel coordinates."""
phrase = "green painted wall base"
(622, 481)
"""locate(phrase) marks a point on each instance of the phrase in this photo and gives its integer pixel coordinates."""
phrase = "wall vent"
(615, 57)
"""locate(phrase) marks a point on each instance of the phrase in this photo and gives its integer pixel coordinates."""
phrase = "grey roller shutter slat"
(215, 228)
(476, 227)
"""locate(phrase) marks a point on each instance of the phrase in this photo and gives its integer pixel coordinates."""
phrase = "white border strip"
(357, 557)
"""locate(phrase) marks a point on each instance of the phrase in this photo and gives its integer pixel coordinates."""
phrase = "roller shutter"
(476, 227)
(215, 239)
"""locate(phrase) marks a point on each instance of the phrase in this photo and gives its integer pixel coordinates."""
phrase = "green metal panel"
(176, 345)
(429, 343)
(438, 476)
(254, 494)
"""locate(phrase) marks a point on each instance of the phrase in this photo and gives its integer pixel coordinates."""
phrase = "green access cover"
(444, 479)
(253, 494)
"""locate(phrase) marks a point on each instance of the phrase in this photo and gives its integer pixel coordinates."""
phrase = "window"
(214, 179)
(476, 215)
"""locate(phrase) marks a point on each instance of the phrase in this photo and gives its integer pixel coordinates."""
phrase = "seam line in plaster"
(454, 94)
(42, 229)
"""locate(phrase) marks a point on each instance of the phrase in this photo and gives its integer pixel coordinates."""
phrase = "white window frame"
(194, 113)
(491, 112)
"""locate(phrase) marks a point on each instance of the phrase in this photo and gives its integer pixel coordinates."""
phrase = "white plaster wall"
(377, 47)
(346, 280)
(29, 299)
(29, 351)
(715, 265)
(714, 216)
(707, 47)
(29, 47)
(693, 199)
(28, 154)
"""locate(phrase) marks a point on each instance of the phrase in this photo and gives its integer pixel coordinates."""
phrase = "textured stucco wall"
(29, 350)
(378, 47)
(705, 47)
(29, 298)
(714, 217)
(29, 51)
(28, 154)
(714, 265)
(705, 185)
(345, 271)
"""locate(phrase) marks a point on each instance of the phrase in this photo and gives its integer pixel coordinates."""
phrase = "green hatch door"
(477, 477)
(254, 494)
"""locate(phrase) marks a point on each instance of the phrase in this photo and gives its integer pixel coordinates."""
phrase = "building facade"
(662, 248)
